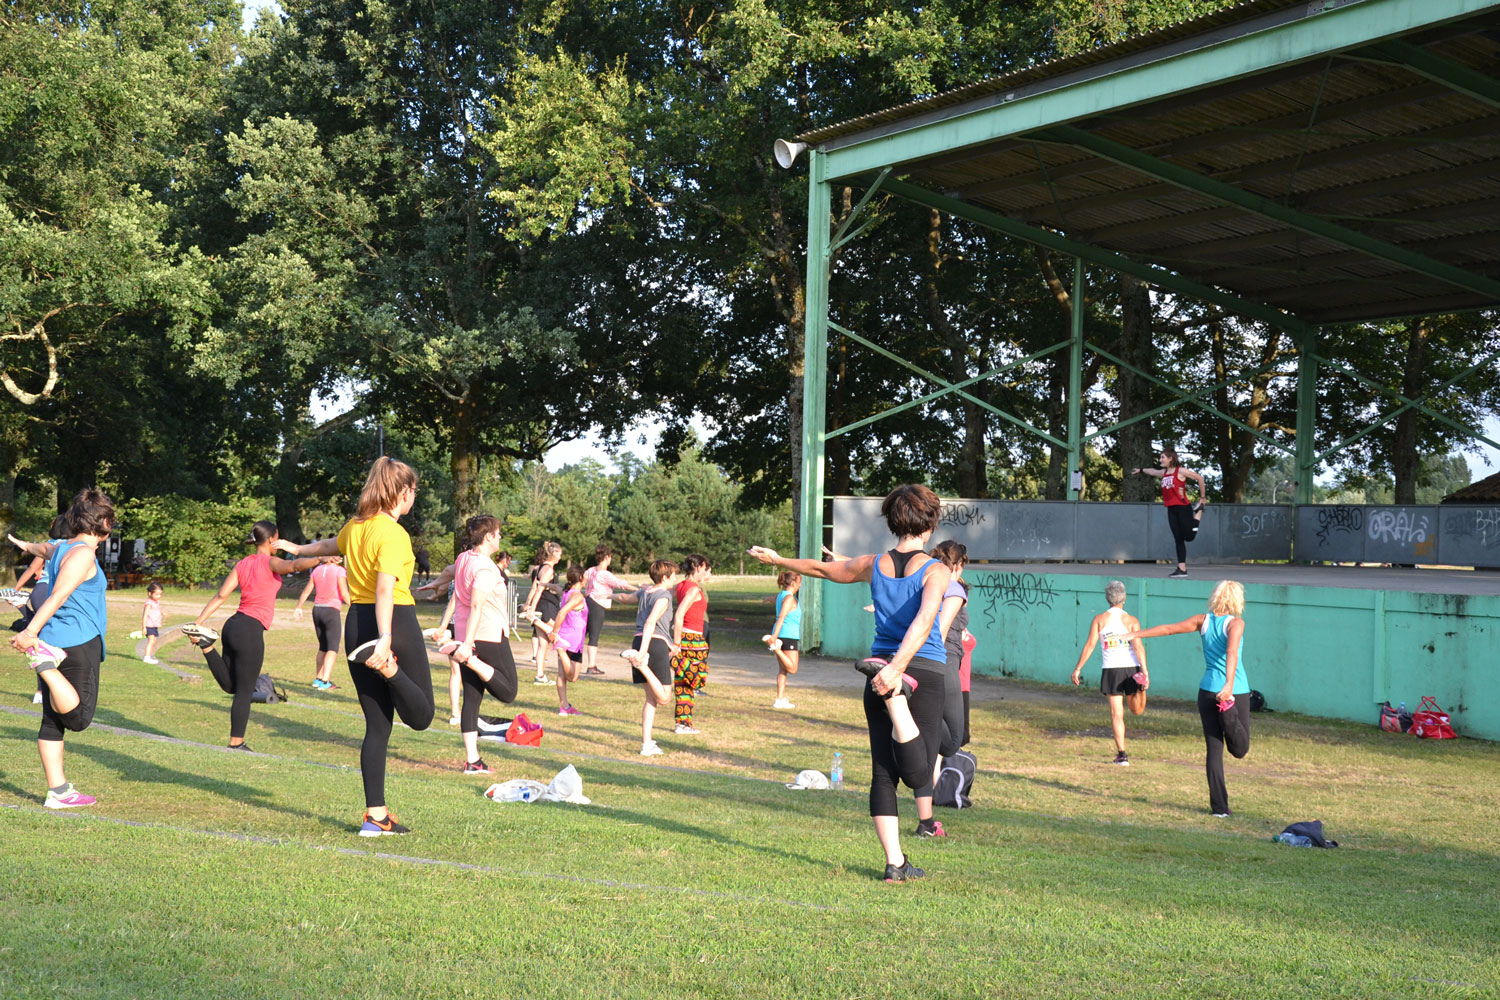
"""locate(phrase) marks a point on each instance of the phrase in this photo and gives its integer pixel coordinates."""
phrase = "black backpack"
(266, 692)
(955, 781)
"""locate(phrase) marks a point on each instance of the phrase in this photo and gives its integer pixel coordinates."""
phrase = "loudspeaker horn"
(787, 152)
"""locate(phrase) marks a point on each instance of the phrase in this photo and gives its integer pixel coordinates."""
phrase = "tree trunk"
(8, 515)
(973, 478)
(1235, 447)
(463, 466)
(1136, 447)
(295, 420)
(1405, 461)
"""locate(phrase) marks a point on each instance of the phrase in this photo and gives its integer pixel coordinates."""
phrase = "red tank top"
(1174, 488)
(693, 620)
(258, 588)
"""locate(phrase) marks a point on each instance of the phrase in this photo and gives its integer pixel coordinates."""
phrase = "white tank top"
(1117, 652)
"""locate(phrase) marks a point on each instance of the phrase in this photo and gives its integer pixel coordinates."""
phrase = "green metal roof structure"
(1296, 163)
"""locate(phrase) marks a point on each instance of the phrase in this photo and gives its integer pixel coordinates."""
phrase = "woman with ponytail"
(387, 652)
(258, 579)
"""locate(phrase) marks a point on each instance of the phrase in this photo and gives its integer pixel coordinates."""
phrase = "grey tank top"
(647, 599)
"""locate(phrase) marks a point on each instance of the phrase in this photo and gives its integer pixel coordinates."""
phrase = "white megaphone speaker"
(787, 152)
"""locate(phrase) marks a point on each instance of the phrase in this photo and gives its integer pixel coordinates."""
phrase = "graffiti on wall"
(1339, 520)
(1023, 591)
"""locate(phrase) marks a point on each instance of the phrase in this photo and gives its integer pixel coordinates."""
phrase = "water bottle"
(1402, 709)
(1292, 840)
(836, 772)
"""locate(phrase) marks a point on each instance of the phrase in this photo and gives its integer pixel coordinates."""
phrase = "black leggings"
(502, 685)
(244, 642)
(1220, 729)
(892, 762)
(596, 620)
(1180, 520)
(81, 668)
(408, 692)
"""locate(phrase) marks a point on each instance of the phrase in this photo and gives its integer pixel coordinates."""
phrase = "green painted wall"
(1326, 651)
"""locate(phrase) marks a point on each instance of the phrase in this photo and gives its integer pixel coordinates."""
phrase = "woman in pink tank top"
(258, 579)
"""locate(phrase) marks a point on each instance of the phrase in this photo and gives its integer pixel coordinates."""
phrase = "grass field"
(203, 873)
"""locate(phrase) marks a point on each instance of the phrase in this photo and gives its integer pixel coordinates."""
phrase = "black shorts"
(326, 624)
(790, 645)
(596, 621)
(658, 661)
(81, 668)
(153, 630)
(1119, 680)
(575, 657)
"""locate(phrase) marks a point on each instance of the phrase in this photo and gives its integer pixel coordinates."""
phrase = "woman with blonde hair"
(1223, 710)
(386, 648)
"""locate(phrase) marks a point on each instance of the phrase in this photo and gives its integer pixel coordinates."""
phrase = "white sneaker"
(687, 731)
(541, 680)
(782, 703)
(452, 720)
(651, 749)
(150, 659)
(632, 657)
(36, 699)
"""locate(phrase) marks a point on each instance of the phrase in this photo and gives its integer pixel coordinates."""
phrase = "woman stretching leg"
(481, 622)
(258, 578)
(387, 654)
(904, 719)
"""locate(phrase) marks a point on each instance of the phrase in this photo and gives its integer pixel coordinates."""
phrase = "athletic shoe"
(1198, 507)
(540, 681)
(43, 656)
(651, 749)
(872, 665)
(241, 746)
(321, 685)
(452, 720)
(632, 657)
(1177, 574)
(361, 654)
(202, 635)
(594, 672)
(687, 731)
(904, 872)
(150, 659)
(491, 725)
(782, 703)
(387, 827)
(15, 598)
(36, 699)
(1122, 758)
(478, 767)
(1223, 815)
(568, 710)
(435, 634)
(935, 830)
(1139, 677)
(71, 798)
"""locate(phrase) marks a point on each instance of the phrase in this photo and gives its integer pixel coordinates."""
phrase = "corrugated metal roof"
(1487, 490)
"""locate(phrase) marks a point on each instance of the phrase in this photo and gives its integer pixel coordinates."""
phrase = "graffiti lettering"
(1267, 524)
(1399, 526)
(1023, 591)
(961, 515)
(1341, 519)
(1479, 523)
(1024, 535)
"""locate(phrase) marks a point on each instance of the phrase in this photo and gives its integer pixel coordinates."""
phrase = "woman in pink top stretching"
(599, 586)
(481, 624)
(568, 637)
(328, 586)
(258, 578)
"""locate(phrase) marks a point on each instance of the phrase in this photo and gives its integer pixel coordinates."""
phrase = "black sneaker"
(905, 872)
(241, 746)
(202, 636)
(870, 666)
(477, 767)
(1122, 758)
(930, 828)
(1177, 574)
(387, 827)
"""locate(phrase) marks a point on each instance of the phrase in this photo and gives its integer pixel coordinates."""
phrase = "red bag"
(524, 732)
(1391, 720)
(1430, 722)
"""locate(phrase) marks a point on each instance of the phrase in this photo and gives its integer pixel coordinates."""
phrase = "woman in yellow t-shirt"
(386, 648)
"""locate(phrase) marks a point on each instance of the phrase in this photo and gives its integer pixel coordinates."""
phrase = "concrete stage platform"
(1390, 578)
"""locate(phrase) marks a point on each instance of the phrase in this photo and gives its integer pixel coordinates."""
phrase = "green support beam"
(1307, 414)
(814, 392)
(1454, 76)
(1188, 180)
(1075, 384)
(1150, 273)
(1317, 31)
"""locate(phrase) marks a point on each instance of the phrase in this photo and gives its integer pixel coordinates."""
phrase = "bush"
(196, 539)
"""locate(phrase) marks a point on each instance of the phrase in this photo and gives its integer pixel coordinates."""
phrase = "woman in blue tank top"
(904, 696)
(1224, 713)
(65, 638)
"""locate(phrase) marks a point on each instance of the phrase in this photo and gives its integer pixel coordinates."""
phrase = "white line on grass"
(250, 838)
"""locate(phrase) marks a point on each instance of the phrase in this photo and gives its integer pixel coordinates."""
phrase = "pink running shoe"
(43, 656)
(568, 710)
(448, 647)
(1225, 706)
(72, 798)
(872, 665)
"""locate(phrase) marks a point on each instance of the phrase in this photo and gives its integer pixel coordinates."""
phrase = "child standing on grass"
(1124, 670)
(785, 638)
(64, 641)
(151, 621)
(651, 653)
(690, 636)
(1224, 691)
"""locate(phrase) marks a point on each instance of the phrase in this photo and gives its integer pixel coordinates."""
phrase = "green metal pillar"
(814, 392)
(1075, 386)
(1307, 412)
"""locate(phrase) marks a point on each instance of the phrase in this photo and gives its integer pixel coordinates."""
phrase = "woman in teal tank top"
(1224, 712)
(65, 638)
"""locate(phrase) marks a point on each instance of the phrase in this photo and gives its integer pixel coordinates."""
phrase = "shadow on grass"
(678, 828)
(134, 769)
